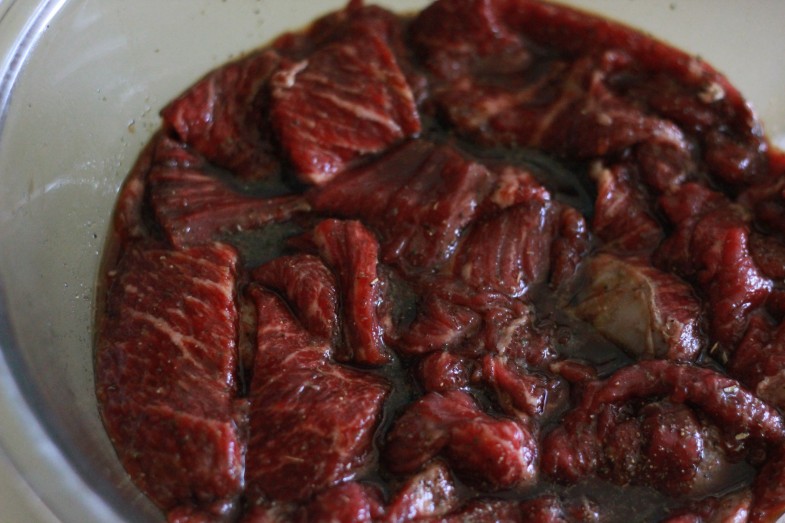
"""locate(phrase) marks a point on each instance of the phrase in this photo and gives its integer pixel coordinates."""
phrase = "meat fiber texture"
(496, 260)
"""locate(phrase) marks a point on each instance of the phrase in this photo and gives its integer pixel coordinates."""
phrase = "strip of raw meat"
(603, 435)
(647, 312)
(165, 374)
(350, 501)
(311, 421)
(759, 360)
(623, 218)
(194, 206)
(569, 247)
(309, 287)
(495, 452)
(670, 82)
(222, 116)
(418, 197)
(347, 99)
(352, 252)
(510, 251)
(455, 38)
(711, 249)
(430, 494)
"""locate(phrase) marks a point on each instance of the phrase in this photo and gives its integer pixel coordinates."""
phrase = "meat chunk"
(711, 248)
(649, 313)
(352, 251)
(430, 494)
(759, 361)
(311, 421)
(509, 251)
(497, 452)
(165, 374)
(223, 115)
(350, 501)
(418, 196)
(622, 429)
(347, 99)
(309, 287)
(194, 206)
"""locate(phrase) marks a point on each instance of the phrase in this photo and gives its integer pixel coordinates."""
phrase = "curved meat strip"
(496, 452)
(649, 313)
(222, 116)
(759, 360)
(600, 430)
(308, 286)
(165, 377)
(353, 253)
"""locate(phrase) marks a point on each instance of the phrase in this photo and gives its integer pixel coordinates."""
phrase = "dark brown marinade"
(531, 258)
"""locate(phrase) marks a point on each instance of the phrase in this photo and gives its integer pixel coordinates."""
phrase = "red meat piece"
(418, 197)
(649, 313)
(455, 38)
(165, 376)
(352, 252)
(350, 501)
(309, 287)
(311, 421)
(496, 452)
(430, 494)
(347, 99)
(603, 435)
(623, 218)
(223, 115)
(194, 206)
(759, 361)
(510, 251)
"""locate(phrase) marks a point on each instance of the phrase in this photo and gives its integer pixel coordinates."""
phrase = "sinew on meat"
(499, 260)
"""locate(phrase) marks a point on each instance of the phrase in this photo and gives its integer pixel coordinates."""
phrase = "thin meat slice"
(509, 251)
(347, 99)
(759, 360)
(647, 312)
(353, 253)
(431, 493)
(223, 115)
(647, 424)
(195, 206)
(311, 420)
(418, 196)
(165, 373)
(623, 218)
(495, 452)
(308, 286)
(350, 501)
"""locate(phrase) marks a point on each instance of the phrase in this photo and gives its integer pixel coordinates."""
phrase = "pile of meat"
(498, 261)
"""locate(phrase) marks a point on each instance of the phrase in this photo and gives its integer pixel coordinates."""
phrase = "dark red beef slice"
(494, 452)
(759, 360)
(663, 80)
(418, 197)
(442, 371)
(347, 99)
(647, 312)
(623, 218)
(602, 435)
(430, 494)
(223, 115)
(165, 374)
(711, 248)
(311, 421)
(440, 324)
(350, 501)
(510, 251)
(455, 38)
(194, 206)
(734, 506)
(520, 393)
(309, 287)
(569, 247)
(567, 110)
(768, 490)
(352, 252)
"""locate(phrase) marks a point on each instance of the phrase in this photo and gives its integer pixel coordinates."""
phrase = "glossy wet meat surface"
(495, 261)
